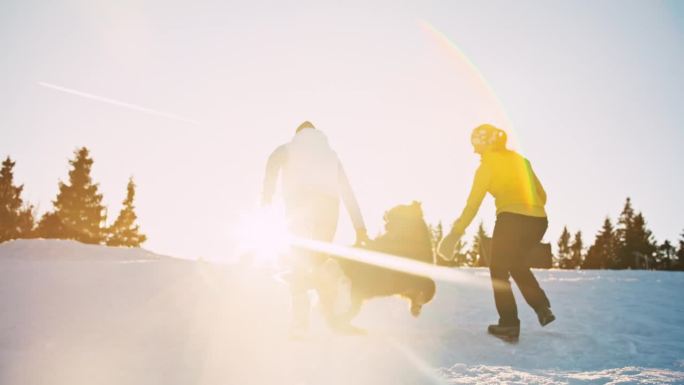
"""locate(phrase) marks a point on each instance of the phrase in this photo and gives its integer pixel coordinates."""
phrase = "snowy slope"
(76, 314)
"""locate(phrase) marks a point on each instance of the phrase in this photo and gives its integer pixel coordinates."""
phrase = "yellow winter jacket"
(509, 178)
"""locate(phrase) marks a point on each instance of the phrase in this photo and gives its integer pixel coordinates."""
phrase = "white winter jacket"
(309, 165)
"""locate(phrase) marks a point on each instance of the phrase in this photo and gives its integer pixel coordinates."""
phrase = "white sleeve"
(273, 166)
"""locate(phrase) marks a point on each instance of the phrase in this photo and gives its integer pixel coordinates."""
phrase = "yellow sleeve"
(537, 184)
(477, 194)
(540, 190)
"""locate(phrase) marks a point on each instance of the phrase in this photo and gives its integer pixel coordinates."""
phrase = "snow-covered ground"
(77, 314)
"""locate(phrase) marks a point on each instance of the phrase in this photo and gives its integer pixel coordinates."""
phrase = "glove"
(361, 237)
(446, 246)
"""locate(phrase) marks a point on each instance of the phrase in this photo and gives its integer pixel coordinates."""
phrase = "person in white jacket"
(313, 183)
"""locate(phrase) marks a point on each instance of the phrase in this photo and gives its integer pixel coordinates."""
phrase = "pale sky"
(592, 92)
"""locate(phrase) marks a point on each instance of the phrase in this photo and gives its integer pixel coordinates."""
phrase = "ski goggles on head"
(483, 138)
(487, 136)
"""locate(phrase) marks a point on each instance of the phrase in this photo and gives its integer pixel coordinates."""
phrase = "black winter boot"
(507, 333)
(545, 316)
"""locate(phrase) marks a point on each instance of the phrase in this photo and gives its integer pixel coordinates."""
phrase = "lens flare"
(263, 236)
(466, 64)
(118, 103)
(391, 262)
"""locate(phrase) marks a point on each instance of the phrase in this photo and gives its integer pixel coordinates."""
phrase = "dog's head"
(406, 221)
(407, 233)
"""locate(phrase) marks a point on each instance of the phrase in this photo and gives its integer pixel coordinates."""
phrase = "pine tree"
(50, 227)
(436, 233)
(680, 253)
(576, 251)
(27, 222)
(665, 256)
(636, 246)
(124, 231)
(564, 256)
(16, 218)
(476, 257)
(642, 244)
(623, 235)
(603, 251)
(460, 257)
(78, 212)
(626, 218)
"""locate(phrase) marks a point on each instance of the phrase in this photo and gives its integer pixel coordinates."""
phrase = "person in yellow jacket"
(520, 224)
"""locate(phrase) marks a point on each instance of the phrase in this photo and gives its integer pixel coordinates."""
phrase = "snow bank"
(37, 249)
(170, 321)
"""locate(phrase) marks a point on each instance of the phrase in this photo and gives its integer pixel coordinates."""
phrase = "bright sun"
(262, 235)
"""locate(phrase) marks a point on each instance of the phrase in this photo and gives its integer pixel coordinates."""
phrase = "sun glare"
(263, 238)
(263, 235)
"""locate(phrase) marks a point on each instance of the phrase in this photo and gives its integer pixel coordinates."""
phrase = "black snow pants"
(514, 237)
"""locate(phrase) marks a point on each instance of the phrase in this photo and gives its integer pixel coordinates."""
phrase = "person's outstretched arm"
(275, 162)
(352, 205)
(477, 194)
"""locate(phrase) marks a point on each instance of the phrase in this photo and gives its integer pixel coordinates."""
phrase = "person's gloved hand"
(446, 246)
(361, 237)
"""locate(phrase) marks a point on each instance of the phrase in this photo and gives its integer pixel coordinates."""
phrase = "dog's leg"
(355, 308)
(341, 324)
(417, 300)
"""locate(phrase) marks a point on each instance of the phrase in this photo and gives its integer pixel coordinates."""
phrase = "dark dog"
(406, 236)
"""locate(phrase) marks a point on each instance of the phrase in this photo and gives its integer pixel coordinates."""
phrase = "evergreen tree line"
(627, 245)
(78, 212)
